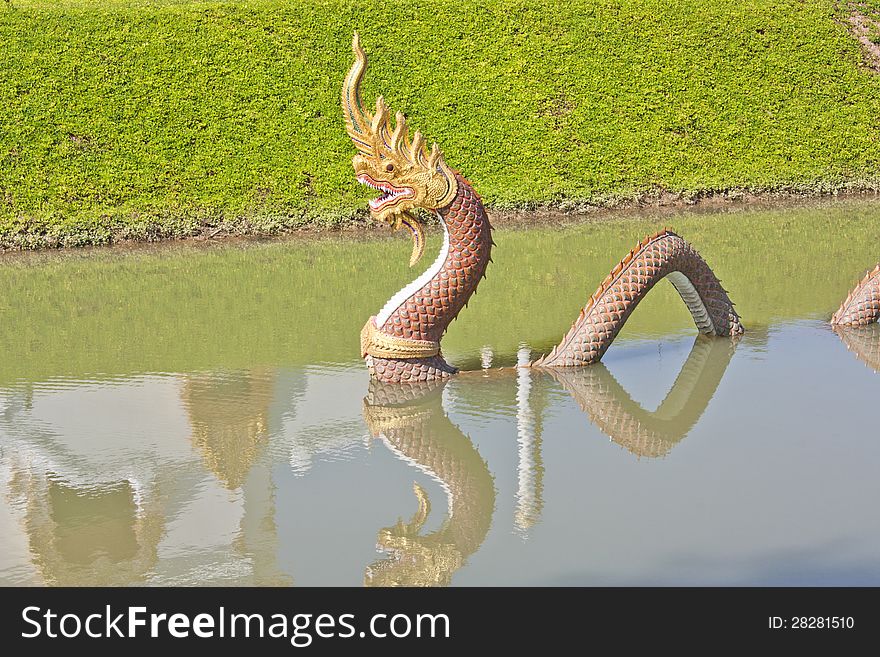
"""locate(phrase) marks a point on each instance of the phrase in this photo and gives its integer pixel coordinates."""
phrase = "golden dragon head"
(407, 176)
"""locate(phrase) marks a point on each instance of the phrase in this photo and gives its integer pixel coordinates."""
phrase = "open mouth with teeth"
(390, 193)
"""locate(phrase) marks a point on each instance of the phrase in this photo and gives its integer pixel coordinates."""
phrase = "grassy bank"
(150, 119)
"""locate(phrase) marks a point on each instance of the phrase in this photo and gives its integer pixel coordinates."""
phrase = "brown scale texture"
(645, 433)
(409, 370)
(427, 313)
(420, 429)
(380, 394)
(862, 305)
(632, 278)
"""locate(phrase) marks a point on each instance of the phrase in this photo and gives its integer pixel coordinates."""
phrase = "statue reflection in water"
(863, 341)
(411, 421)
(650, 434)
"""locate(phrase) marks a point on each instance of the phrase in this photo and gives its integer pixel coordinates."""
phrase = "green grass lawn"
(147, 119)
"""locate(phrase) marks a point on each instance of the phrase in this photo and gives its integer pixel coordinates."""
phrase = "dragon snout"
(390, 196)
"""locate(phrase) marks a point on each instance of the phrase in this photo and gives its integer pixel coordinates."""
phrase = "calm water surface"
(200, 415)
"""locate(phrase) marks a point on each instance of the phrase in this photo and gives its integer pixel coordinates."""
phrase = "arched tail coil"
(862, 305)
(654, 258)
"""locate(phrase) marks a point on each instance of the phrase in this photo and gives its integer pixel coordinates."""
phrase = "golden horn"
(356, 121)
(417, 152)
(397, 137)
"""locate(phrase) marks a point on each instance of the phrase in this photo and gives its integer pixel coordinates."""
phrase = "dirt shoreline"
(656, 207)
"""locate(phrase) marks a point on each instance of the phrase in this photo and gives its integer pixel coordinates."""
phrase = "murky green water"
(200, 415)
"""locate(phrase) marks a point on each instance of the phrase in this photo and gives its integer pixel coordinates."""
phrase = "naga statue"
(852, 321)
(402, 342)
(861, 306)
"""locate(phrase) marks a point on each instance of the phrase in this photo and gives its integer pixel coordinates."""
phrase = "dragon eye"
(389, 167)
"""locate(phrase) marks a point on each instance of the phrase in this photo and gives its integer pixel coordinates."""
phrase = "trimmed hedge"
(152, 119)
